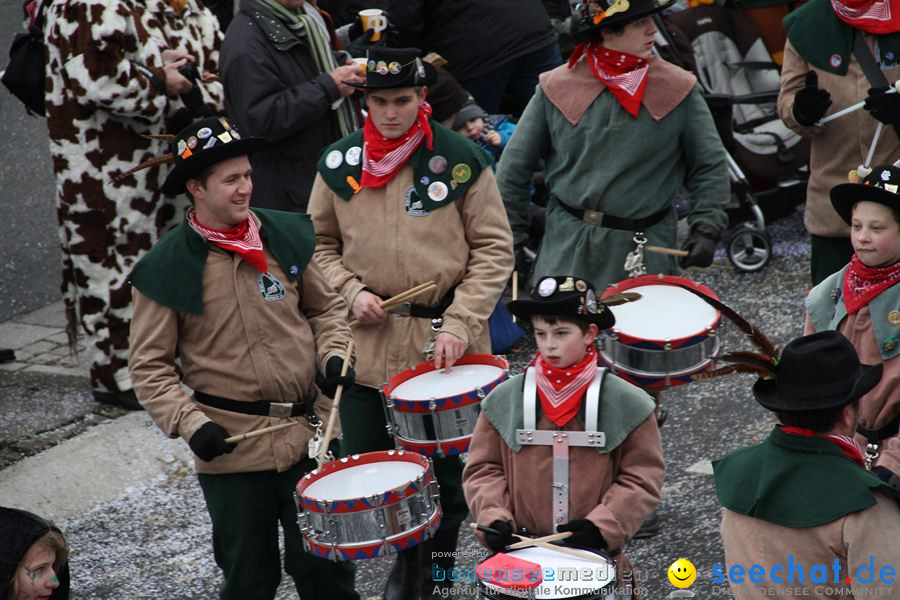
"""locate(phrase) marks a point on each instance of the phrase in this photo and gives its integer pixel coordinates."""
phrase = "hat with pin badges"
(392, 68)
(564, 296)
(881, 185)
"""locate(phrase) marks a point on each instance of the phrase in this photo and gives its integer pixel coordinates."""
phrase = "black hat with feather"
(572, 298)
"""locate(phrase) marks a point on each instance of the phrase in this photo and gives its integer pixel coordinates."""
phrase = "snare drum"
(665, 337)
(562, 575)
(434, 413)
(368, 505)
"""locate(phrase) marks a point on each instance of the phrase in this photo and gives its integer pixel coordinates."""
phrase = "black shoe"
(405, 578)
(7, 355)
(439, 551)
(649, 527)
(126, 399)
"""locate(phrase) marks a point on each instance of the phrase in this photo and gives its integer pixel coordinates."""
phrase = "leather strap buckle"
(593, 217)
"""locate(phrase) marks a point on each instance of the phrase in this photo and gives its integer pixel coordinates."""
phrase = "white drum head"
(437, 384)
(566, 583)
(363, 480)
(664, 312)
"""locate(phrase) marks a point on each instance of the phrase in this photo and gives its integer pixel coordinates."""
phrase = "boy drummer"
(513, 482)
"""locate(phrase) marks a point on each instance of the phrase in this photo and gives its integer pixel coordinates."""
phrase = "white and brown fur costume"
(101, 102)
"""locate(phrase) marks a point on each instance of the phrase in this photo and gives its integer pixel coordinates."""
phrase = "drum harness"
(874, 437)
(434, 312)
(560, 440)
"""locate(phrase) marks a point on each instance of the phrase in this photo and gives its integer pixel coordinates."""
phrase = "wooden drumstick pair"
(543, 542)
(387, 305)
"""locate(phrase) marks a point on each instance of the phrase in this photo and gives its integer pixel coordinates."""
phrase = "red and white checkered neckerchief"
(877, 17)
(243, 240)
(382, 158)
(623, 74)
(561, 390)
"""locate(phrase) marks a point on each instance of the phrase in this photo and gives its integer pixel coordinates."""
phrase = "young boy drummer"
(612, 475)
(862, 301)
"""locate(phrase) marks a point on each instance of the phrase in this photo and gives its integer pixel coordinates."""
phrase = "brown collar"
(572, 91)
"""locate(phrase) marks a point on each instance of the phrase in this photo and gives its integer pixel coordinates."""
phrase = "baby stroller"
(766, 161)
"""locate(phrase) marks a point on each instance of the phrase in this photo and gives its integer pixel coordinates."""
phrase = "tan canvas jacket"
(839, 145)
(242, 347)
(370, 242)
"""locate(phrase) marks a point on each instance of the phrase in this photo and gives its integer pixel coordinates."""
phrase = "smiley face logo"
(682, 573)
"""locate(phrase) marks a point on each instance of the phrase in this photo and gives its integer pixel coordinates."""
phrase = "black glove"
(811, 102)
(888, 476)
(332, 379)
(701, 246)
(584, 534)
(208, 442)
(883, 106)
(360, 44)
(500, 540)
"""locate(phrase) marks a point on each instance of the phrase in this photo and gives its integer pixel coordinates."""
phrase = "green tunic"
(624, 166)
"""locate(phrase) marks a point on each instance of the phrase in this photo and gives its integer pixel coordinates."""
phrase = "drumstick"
(853, 107)
(543, 542)
(332, 417)
(664, 250)
(258, 432)
(873, 144)
(546, 539)
(515, 289)
(401, 298)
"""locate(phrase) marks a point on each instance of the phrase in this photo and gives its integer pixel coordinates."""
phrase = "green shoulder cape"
(795, 481)
(622, 408)
(455, 162)
(172, 272)
(826, 42)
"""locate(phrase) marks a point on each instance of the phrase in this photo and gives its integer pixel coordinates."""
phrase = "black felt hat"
(564, 296)
(882, 185)
(203, 144)
(392, 68)
(817, 371)
(595, 14)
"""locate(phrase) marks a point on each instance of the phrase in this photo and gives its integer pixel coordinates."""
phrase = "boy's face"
(472, 129)
(874, 234)
(224, 202)
(636, 38)
(562, 344)
(394, 111)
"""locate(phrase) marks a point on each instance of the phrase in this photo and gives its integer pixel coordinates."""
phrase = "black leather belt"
(873, 436)
(264, 408)
(422, 311)
(601, 219)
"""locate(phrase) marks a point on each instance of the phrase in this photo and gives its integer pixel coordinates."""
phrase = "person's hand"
(811, 101)
(584, 534)
(883, 106)
(208, 442)
(360, 44)
(207, 77)
(366, 309)
(493, 138)
(175, 83)
(447, 350)
(332, 378)
(500, 540)
(701, 246)
(349, 73)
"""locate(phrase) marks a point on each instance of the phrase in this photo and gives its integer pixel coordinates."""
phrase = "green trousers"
(828, 255)
(245, 509)
(365, 430)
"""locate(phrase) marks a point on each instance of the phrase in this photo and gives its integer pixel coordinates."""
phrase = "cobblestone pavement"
(152, 538)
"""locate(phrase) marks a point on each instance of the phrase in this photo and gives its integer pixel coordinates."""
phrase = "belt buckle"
(280, 410)
(593, 217)
(402, 310)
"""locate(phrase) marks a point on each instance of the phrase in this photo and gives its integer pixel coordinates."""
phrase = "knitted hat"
(467, 113)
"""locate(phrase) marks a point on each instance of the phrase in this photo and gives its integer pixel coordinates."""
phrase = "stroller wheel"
(749, 248)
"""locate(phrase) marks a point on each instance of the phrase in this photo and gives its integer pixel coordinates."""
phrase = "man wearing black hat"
(622, 132)
(803, 497)
(400, 203)
(516, 480)
(237, 296)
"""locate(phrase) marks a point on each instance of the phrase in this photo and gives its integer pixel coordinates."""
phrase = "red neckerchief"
(623, 74)
(382, 158)
(862, 283)
(561, 390)
(243, 240)
(878, 17)
(846, 443)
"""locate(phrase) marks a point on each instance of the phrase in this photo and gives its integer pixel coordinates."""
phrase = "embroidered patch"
(411, 203)
(270, 288)
(462, 173)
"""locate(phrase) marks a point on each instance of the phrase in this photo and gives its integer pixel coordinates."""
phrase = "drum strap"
(561, 440)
